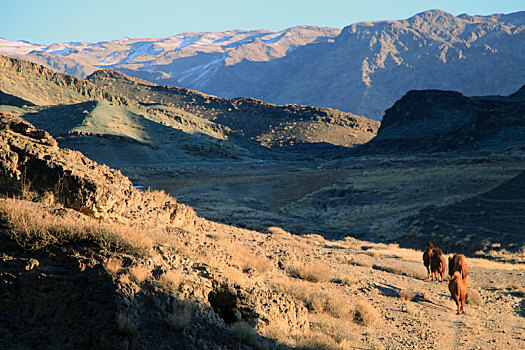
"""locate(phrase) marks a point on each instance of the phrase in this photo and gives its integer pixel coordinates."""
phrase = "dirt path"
(428, 320)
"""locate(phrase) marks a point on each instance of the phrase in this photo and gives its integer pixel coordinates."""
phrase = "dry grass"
(311, 272)
(319, 340)
(366, 314)
(34, 227)
(278, 231)
(520, 289)
(337, 304)
(340, 330)
(331, 301)
(181, 315)
(406, 295)
(249, 260)
(114, 265)
(139, 273)
(126, 323)
(356, 261)
(411, 309)
(170, 281)
(248, 335)
(391, 269)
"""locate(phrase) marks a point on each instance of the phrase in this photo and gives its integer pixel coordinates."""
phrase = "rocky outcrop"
(66, 88)
(31, 158)
(437, 121)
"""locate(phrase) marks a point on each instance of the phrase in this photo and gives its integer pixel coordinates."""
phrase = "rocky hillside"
(362, 69)
(440, 121)
(87, 261)
(270, 125)
(31, 158)
(484, 223)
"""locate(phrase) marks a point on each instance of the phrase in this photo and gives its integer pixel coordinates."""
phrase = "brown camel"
(438, 264)
(458, 263)
(458, 290)
(426, 257)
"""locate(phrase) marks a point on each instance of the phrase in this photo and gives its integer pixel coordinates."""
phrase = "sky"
(56, 21)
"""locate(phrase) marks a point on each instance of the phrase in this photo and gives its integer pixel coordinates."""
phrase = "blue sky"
(48, 21)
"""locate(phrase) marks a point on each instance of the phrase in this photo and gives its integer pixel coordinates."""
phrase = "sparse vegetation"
(170, 281)
(250, 260)
(366, 314)
(139, 273)
(181, 315)
(114, 265)
(407, 295)
(520, 289)
(35, 226)
(126, 323)
(311, 272)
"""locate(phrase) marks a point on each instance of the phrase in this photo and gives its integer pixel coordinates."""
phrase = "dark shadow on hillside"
(11, 100)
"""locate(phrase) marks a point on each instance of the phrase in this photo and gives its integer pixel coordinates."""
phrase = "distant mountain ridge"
(362, 69)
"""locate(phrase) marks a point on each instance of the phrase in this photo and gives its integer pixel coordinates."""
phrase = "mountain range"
(363, 68)
(164, 126)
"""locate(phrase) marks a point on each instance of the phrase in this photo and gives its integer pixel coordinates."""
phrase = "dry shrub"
(126, 323)
(124, 278)
(333, 301)
(48, 198)
(474, 298)
(248, 335)
(278, 330)
(34, 227)
(391, 269)
(347, 281)
(411, 309)
(366, 314)
(274, 230)
(407, 295)
(377, 346)
(316, 340)
(170, 281)
(520, 290)
(337, 304)
(181, 315)
(341, 331)
(311, 272)
(234, 276)
(138, 273)
(114, 265)
(249, 260)
(359, 262)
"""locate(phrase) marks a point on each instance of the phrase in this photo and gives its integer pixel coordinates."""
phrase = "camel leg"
(457, 304)
(462, 304)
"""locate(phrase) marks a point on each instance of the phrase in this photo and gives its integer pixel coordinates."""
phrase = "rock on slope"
(439, 121)
(32, 157)
(362, 69)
